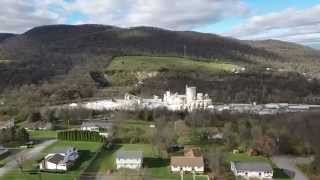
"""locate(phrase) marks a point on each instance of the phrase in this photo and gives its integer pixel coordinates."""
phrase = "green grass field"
(145, 63)
(43, 134)
(87, 151)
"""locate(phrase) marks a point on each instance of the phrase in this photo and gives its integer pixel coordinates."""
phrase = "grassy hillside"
(147, 63)
(129, 70)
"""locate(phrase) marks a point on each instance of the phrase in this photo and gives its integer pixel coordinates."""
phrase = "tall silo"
(191, 94)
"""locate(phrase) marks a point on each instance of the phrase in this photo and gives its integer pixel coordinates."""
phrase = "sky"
(288, 20)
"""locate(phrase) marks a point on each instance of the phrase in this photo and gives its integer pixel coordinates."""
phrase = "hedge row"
(77, 135)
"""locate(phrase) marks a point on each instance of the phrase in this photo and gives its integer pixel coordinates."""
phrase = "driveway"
(27, 154)
(289, 163)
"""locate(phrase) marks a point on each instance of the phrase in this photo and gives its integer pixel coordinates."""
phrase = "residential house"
(129, 159)
(191, 161)
(7, 124)
(103, 127)
(60, 161)
(214, 134)
(39, 125)
(260, 170)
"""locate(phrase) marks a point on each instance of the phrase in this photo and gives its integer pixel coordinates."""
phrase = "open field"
(154, 165)
(145, 63)
(38, 134)
(4, 61)
(86, 149)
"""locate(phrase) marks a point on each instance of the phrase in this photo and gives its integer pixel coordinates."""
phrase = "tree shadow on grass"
(282, 174)
(92, 168)
(84, 155)
(149, 162)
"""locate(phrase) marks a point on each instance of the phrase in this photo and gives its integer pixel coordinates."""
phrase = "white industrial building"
(189, 101)
(129, 159)
(60, 161)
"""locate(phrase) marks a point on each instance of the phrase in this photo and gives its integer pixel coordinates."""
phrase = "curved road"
(26, 154)
(289, 163)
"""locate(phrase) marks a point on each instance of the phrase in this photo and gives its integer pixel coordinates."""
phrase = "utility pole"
(184, 51)
(181, 173)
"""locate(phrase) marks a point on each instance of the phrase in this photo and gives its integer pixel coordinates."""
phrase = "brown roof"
(193, 152)
(187, 161)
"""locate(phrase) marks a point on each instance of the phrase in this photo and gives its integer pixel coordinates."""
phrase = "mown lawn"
(38, 134)
(86, 149)
(146, 63)
(154, 166)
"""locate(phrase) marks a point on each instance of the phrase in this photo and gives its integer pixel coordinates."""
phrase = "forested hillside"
(66, 62)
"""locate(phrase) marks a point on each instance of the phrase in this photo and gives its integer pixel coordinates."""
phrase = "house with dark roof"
(191, 161)
(129, 159)
(104, 128)
(60, 161)
(260, 170)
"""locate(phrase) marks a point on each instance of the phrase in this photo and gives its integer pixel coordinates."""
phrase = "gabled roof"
(100, 124)
(252, 166)
(187, 161)
(56, 159)
(192, 152)
(129, 155)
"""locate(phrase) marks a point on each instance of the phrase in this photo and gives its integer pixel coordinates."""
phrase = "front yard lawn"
(86, 150)
(154, 165)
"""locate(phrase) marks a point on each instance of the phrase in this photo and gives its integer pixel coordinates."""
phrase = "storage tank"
(191, 93)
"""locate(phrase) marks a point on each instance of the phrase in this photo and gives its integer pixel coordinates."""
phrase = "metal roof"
(56, 159)
(129, 155)
(252, 166)
(100, 124)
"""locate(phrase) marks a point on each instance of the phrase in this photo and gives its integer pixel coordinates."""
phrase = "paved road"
(27, 154)
(289, 163)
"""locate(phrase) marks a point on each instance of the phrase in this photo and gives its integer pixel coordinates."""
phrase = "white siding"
(187, 169)
(129, 163)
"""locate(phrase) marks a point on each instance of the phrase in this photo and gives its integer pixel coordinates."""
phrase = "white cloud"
(19, 15)
(300, 26)
(173, 14)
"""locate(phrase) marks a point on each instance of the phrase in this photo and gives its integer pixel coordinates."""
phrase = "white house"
(129, 159)
(192, 161)
(103, 128)
(260, 170)
(60, 161)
